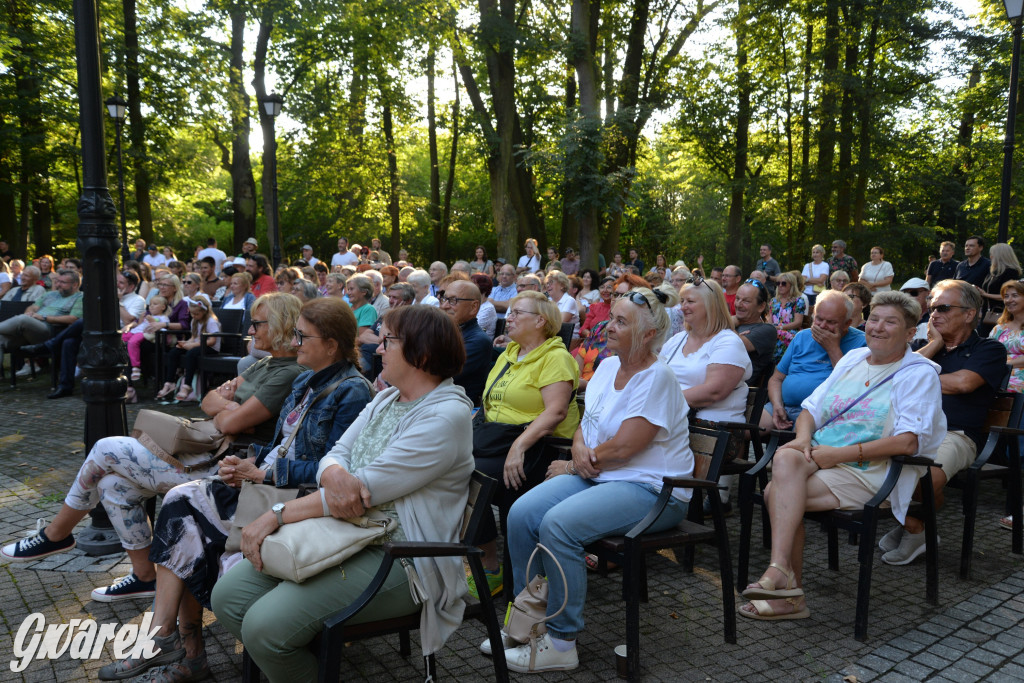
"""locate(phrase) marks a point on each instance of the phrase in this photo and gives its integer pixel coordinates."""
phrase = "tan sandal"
(765, 589)
(763, 611)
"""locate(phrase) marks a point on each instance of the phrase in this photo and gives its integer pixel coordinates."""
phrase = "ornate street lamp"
(102, 356)
(1014, 11)
(272, 105)
(116, 106)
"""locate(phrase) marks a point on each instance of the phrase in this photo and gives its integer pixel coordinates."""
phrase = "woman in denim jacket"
(195, 518)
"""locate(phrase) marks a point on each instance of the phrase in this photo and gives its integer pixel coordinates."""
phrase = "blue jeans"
(565, 514)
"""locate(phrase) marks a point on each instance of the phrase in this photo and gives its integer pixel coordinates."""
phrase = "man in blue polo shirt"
(461, 301)
(810, 358)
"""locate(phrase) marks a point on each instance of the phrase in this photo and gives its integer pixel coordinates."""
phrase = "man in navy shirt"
(461, 301)
(974, 267)
(944, 268)
(972, 371)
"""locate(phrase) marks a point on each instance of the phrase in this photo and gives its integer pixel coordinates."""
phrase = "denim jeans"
(565, 514)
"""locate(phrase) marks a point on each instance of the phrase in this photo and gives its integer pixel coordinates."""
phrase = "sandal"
(136, 374)
(165, 392)
(765, 589)
(594, 564)
(185, 394)
(1007, 522)
(763, 611)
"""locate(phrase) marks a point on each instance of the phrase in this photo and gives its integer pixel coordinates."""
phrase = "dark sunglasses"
(946, 308)
(698, 281)
(757, 283)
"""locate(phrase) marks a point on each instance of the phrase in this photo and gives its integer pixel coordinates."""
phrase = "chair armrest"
(399, 549)
(778, 437)
(916, 460)
(737, 426)
(235, 335)
(1009, 431)
(688, 483)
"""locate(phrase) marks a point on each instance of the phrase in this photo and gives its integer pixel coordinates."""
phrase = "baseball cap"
(915, 283)
(306, 246)
(253, 241)
(239, 261)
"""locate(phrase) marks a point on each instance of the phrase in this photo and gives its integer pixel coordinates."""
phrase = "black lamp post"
(1014, 10)
(102, 356)
(272, 105)
(116, 106)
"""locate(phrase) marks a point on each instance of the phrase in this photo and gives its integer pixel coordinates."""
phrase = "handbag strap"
(529, 589)
(866, 393)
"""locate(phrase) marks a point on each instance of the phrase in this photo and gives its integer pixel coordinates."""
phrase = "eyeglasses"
(256, 323)
(300, 336)
(514, 313)
(385, 340)
(759, 284)
(945, 308)
(453, 300)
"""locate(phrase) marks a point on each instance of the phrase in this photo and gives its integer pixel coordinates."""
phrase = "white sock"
(561, 645)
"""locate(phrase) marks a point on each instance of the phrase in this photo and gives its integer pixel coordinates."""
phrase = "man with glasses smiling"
(732, 278)
(972, 369)
(60, 307)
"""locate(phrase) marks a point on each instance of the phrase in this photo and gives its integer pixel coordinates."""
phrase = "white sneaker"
(911, 547)
(25, 371)
(891, 540)
(546, 657)
(506, 643)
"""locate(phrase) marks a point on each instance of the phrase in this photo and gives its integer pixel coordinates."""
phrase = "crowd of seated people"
(826, 329)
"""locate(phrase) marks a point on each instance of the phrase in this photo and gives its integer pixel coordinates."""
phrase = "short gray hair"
(404, 289)
(906, 305)
(375, 275)
(830, 294)
(308, 289)
(71, 273)
(364, 283)
(969, 295)
(419, 278)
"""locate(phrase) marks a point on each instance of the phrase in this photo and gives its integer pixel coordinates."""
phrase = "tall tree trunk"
(824, 180)
(864, 162)
(805, 139)
(951, 211)
(269, 157)
(137, 155)
(852, 92)
(446, 212)
(243, 185)
(588, 124)
(393, 207)
(8, 192)
(788, 126)
(570, 234)
(734, 230)
(35, 170)
(434, 207)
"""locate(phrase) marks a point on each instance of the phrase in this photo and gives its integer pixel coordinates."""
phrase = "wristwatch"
(278, 511)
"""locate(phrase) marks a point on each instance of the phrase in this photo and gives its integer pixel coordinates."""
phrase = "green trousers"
(276, 619)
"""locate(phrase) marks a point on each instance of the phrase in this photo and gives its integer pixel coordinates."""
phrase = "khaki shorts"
(851, 490)
(956, 452)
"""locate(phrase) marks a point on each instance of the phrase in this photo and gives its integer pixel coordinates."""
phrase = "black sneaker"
(128, 588)
(37, 546)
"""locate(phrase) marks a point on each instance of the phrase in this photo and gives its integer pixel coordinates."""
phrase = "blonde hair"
(282, 312)
(559, 277)
(546, 309)
(794, 287)
(1003, 258)
(245, 277)
(158, 300)
(1009, 284)
(817, 247)
(653, 317)
(904, 303)
(716, 311)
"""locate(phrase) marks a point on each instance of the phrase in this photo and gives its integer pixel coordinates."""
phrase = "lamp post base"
(99, 538)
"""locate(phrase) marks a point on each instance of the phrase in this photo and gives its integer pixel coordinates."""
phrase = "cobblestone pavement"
(977, 632)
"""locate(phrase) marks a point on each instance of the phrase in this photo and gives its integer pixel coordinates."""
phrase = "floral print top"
(783, 314)
(1014, 343)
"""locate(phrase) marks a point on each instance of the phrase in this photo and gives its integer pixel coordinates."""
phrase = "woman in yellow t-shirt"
(533, 382)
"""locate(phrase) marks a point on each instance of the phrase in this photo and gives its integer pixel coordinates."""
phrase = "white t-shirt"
(725, 348)
(346, 259)
(230, 303)
(813, 269)
(134, 304)
(872, 273)
(215, 253)
(532, 263)
(653, 394)
(567, 304)
(487, 317)
(154, 261)
(313, 260)
(430, 300)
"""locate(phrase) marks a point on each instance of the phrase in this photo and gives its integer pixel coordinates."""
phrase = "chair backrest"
(481, 492)
(1005, 410)
(566, 334)
(499, 327)
(708, 447)
(231, 320)
(9, 309)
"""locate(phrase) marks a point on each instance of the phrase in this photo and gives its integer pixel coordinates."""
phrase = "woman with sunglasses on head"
(123, 474)
(323, 403)
(634, 433)
(786, 311)
(408, 455)
(533, 382)
(594, 348)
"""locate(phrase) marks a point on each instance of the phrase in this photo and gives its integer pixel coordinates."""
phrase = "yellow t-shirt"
(516, 397)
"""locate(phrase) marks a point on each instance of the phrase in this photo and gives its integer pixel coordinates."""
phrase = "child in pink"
(134, 333)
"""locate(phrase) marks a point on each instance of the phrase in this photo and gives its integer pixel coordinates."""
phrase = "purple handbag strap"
(866, 393)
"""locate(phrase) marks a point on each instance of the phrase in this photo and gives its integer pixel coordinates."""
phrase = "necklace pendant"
(867, 383)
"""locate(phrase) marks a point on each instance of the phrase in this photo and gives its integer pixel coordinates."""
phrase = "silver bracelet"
(323, 501)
